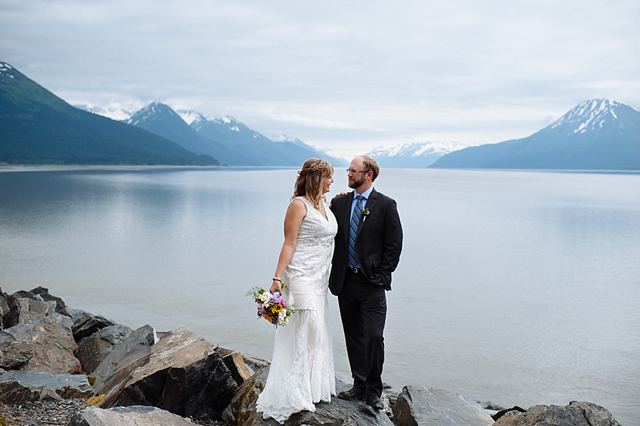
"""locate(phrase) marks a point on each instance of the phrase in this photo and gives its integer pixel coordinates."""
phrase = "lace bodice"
(315, 243)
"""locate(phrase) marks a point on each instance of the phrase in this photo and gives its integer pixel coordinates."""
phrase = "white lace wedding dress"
(302, 371)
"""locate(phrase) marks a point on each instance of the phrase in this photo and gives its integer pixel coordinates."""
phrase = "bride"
(302, 372)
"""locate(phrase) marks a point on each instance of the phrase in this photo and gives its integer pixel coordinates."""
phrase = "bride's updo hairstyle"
(310, 178)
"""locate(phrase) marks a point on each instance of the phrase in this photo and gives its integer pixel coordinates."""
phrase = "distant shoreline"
(124, 167)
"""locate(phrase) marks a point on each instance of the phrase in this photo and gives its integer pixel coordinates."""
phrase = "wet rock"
(21, 386)
(417, 405)
(52, 343)
(14, 355)
(127, 416)
(337, 412)
(574, 414)
(85, 323)
(141, 377)
(95, 348)
(139, 341)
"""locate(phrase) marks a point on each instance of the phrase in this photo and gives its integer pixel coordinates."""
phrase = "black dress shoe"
(352, 395)
(374, 402)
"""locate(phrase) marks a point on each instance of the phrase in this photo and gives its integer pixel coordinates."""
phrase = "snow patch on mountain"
(189, 116)
(150, 110)
(232, 124)
(588, 115)
(287, 138)
(5, 71)
(417, 149)
(114, 113)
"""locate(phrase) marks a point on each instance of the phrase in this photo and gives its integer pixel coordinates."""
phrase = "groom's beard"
(355, 184)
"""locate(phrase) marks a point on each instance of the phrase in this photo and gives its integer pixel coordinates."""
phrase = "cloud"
(333, 70)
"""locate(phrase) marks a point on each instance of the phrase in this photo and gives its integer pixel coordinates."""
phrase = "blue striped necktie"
(353, 230)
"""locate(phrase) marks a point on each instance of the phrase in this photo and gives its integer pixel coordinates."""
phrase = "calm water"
(516, 287)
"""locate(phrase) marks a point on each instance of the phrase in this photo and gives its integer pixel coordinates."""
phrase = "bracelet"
(277, 279)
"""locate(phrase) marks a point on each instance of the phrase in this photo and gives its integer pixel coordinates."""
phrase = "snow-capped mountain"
(37, 127)
(160, 119)
(188, 115)
(117, 114)
(287, 138)
(590, 116)
(597, 134)
(6, 72)
(150, 113)
(226, 139)
(415, 155)
(228, 123)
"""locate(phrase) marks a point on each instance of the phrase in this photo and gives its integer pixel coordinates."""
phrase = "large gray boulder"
(182, 373)
(574, 414)
(338, 412)
(201, 390)
(95, 348)
(26, 307)
(139, 341)
(417, 405)
(146, 371)
(51, 341)
(85, 323)
(23, 386)
(128, 416)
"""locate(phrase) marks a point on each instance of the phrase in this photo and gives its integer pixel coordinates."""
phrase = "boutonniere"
(365, 213)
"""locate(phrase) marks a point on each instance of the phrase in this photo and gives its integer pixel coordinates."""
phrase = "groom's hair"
(371, 164)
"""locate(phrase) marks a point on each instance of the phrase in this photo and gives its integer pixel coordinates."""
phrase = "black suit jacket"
(378, 241)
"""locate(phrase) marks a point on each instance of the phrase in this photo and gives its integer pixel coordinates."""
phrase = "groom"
(367, 251)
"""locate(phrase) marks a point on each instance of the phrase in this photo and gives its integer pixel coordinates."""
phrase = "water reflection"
(516, 287)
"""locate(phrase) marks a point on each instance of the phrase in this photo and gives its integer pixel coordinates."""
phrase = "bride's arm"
(292, 221)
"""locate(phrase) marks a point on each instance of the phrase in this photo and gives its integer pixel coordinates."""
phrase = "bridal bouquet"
(272, 307)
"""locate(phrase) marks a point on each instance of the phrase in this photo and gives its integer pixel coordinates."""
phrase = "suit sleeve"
(392, 243)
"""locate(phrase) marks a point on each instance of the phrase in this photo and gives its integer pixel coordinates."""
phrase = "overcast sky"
(348, 75)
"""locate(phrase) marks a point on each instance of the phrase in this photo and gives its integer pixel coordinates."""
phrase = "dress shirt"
(365, 194)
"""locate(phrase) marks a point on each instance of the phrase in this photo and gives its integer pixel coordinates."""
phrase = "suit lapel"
(371, 201)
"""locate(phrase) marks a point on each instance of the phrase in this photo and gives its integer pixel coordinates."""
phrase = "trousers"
(363, 309)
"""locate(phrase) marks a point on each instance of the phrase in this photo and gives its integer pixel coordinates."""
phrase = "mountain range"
(598, 134)
(226, 139)
(37, 127)
(414, 155)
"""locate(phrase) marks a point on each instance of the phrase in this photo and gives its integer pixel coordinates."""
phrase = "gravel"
(40, 413)
(51, 413)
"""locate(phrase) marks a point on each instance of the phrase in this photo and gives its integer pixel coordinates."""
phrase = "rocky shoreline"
(62, 366)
